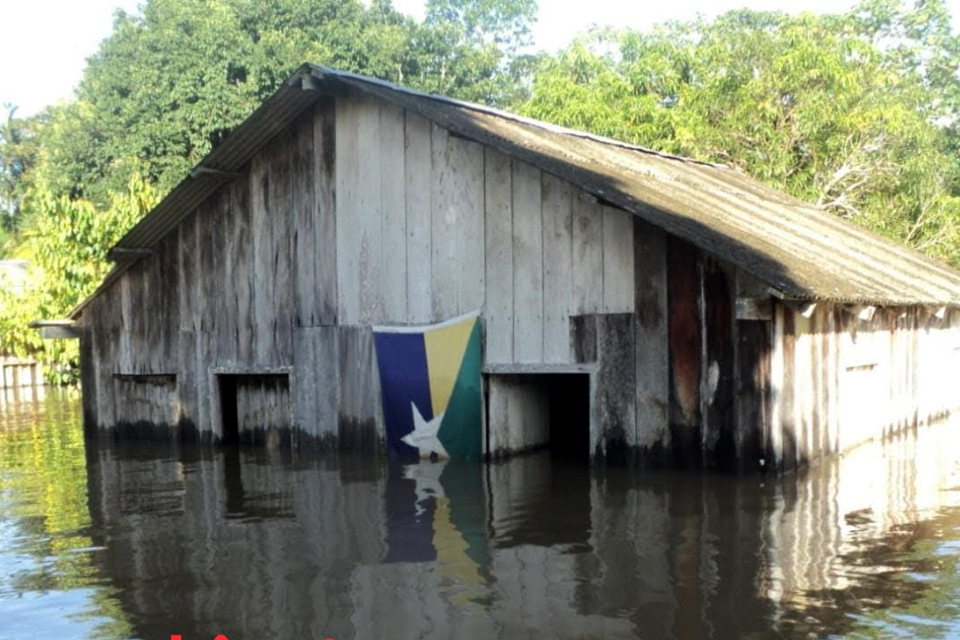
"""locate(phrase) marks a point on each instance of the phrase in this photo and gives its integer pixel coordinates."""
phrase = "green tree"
(19, 148)
(173, 80)
(823, 107)
(66, 242)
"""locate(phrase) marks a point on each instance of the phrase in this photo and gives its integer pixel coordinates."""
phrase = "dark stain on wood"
(754, 339)
(583, 338)
(683, 311)
(615, 401)
(718, 407)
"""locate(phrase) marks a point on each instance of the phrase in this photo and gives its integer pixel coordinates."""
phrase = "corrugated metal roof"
(800, 251)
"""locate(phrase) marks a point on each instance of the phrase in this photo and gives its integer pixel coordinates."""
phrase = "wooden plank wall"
(361, 213)
(145, 400)
(263, 405)
(839, 380)
(652, 339)
(468, 228)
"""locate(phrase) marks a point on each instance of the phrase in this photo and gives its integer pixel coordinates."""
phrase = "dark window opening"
(569, 401)
(539, 411)
(254, 407)
(228, 410)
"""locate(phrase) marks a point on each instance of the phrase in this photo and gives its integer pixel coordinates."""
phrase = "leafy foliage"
(856, 112)
(67, 244)
(19, 148)
(168, 84)
(824, 107)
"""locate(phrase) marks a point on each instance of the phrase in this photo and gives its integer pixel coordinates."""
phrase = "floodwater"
(148, 541)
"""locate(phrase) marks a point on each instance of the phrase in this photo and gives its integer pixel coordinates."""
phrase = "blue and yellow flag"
(430, 379)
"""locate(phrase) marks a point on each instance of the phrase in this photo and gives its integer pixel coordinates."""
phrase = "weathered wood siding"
(842, 375)
(361, 213)
(431, 226)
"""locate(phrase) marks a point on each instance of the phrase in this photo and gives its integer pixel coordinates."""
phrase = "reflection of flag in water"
(430, 377)
(436, 513)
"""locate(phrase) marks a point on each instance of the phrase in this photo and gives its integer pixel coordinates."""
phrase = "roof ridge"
(508, 115)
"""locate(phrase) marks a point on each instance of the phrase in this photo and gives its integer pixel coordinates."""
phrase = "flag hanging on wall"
(430, 381)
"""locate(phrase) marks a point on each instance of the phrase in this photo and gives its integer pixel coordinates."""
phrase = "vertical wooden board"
(170, 302)
(527, 264)
(187, 250)
(348, 397)
(498, 306)
(261, 231)
(100, 364)
(358, 388)
(803, 393)
(788, 392)
(224, 307)
(653, 355)
(281, 311)
(444, 220)
(498, 418)
(187, 377)
(468, 193)
(832, 371)
(369, 391)
(205, 362)
(817, 410)
(614, 412)
(143, 321)
(152, 311)
(587, 254)
(326, 375)
(370, 210)
(303, 236)
(717, 391)
(88, 375)
(348, 212)
(393, 207)
(109, 353)
(557, 208)
(684, 332)
(418, 205)
(209, 282)
(753, 384)
(325, 209)
(617, 261)
(305, 381)
(127, 320)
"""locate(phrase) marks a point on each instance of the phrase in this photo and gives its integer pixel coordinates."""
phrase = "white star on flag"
(424, 435)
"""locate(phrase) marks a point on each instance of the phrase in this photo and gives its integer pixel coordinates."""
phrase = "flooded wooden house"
(630, 304)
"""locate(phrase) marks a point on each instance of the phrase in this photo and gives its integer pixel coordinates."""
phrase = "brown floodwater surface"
(146, 540)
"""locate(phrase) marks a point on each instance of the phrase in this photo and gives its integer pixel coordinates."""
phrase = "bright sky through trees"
(44, 43)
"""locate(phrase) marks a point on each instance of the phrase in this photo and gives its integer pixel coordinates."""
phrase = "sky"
(44, 44)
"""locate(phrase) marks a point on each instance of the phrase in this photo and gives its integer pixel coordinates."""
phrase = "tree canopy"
(856, 112)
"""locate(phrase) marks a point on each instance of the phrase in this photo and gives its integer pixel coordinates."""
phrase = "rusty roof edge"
(321, 71)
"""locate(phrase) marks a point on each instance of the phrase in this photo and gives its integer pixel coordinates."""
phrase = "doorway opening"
(534, 411)
(254, 408)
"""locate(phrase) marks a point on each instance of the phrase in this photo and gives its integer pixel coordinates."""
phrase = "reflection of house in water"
(252, 545)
